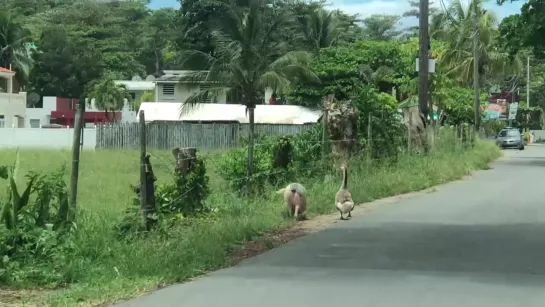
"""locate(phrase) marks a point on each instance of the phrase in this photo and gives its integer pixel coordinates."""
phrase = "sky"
(369, 7)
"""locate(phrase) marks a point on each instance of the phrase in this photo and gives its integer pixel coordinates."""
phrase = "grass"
(105, 269)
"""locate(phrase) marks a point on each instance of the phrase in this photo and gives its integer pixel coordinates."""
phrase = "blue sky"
(369, 7)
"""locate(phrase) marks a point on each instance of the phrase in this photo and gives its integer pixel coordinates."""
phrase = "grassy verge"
(105, 269)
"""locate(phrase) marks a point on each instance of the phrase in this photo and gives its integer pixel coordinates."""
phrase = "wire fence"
(454, 138)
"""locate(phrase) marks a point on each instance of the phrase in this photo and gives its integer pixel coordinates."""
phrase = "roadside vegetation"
(100, 261)
(361, 73)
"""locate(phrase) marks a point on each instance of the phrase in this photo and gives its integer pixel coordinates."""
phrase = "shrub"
(233, 166)
(35, 233)
(185, 196)
(277, 159)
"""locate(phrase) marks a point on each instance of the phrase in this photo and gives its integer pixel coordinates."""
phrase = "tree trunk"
(250, 149)
(157, 63)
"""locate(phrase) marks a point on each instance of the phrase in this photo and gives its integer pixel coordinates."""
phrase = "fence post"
(462, 136)
(147, 178)
(325, 120)
(409, 133)
(76, 143)
(369, 138)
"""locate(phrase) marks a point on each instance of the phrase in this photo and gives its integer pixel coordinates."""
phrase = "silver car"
(510, 138)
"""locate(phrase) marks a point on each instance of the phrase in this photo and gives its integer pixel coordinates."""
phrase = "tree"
(512, 34)
(456, 28)
(193, 25)
(530, 26)
(65, 64)
(381, 27)
(108, 96)
(157, 35)
(115, 29)
(319, 29)
(249, 57)
(13, 49)
(414, 11)
(344, 70)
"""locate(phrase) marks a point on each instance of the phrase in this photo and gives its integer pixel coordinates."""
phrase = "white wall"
(44, 138)
(42, 114)
(12, 109)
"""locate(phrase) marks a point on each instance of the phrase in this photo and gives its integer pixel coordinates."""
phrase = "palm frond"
(195, 101)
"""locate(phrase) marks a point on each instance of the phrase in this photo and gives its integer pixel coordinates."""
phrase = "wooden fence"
(168, 135)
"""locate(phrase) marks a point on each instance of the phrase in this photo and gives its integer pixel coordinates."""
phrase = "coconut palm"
(249, 57)
(455, 26)
(319, 28)
(14, 48)
(108, 96)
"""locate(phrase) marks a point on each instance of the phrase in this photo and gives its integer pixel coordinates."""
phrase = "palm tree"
(14, 48)
(249, 57)
(319, 28)
(108, 96)
(455, 26)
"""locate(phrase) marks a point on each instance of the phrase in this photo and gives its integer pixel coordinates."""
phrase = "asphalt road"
(473, 243)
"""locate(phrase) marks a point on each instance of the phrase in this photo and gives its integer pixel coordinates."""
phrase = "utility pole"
(528, 82)
(476, 77)
(423, 58)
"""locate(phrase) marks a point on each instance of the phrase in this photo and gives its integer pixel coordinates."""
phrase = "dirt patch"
(20, 298)
(265, 243)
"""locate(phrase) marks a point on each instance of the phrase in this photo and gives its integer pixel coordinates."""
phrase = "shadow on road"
(526, 161)
(516, 248)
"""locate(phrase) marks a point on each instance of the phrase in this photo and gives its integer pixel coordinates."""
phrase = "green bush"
(233, 167)
(277, 160)
(184, 197)
(35, 231)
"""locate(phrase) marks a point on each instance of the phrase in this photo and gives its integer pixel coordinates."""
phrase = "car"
(510, 138)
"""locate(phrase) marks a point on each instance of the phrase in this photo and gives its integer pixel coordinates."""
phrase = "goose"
(343, 198)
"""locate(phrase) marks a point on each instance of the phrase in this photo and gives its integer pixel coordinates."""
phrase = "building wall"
(40, 116)
(12, 110)
(44, 138)
(182, 91)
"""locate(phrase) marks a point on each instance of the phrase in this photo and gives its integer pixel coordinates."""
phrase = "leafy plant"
(34, 228)
(185, 197)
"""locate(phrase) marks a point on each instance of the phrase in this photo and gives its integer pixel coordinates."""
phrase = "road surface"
(473, 243)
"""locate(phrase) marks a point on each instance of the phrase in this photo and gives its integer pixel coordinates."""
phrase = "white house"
(12, 102)
(176, 86)
(136, 89)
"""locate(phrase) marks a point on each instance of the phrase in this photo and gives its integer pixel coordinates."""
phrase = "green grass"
(105, 269)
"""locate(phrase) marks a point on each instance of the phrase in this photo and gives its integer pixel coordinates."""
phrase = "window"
(510, 132)
(132, 102)
(204, 87)
(34, 123)
(168, 89)
(2, 121)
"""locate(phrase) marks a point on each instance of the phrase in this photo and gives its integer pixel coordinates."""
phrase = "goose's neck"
(345, 178)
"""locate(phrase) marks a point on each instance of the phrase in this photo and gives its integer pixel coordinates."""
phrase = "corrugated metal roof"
(264, 114)
(137, 85)
(179, 75)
